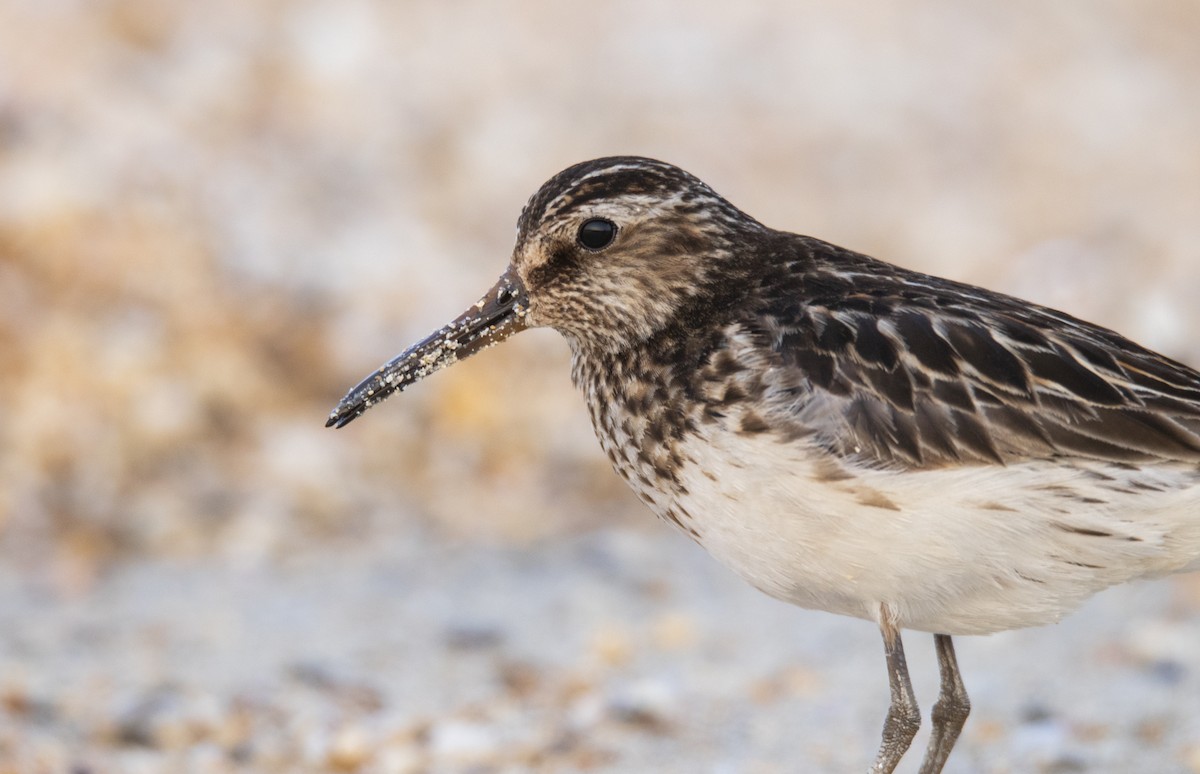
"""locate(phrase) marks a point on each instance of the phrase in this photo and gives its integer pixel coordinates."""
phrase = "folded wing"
(905, 369)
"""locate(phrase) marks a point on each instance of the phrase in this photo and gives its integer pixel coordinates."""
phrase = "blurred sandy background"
(215, 218)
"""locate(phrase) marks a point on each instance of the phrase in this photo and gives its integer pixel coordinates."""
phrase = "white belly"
(965, 550)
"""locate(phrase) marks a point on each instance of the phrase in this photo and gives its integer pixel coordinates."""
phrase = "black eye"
(597, 234)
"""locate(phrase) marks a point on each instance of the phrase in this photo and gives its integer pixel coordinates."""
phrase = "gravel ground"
(614, 651)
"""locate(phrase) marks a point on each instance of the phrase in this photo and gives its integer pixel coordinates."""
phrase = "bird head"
(608, 252)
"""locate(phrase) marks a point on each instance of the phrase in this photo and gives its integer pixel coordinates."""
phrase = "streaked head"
(608, 252)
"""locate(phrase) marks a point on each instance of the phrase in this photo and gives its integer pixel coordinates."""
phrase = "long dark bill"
(492, 319)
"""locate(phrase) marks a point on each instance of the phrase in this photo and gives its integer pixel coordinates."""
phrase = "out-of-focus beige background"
(215, 218)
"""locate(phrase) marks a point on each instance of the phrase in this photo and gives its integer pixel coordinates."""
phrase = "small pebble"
(460, 740)
(350, 749)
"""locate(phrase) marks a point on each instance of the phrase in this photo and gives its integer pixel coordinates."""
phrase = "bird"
(845, 434)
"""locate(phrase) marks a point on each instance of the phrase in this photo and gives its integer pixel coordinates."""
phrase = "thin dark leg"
(903, 718)
(951, 710)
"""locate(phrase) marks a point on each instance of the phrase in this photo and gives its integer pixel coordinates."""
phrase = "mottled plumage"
(846, 434)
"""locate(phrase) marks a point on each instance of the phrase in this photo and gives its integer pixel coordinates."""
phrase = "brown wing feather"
(906, 369)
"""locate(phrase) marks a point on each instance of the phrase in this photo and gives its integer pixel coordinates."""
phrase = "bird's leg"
(951, 710)
(903, 717)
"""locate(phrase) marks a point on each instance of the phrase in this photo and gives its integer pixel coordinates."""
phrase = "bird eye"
(597, 234)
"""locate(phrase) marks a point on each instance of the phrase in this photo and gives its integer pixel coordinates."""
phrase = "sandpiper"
(845, 434)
